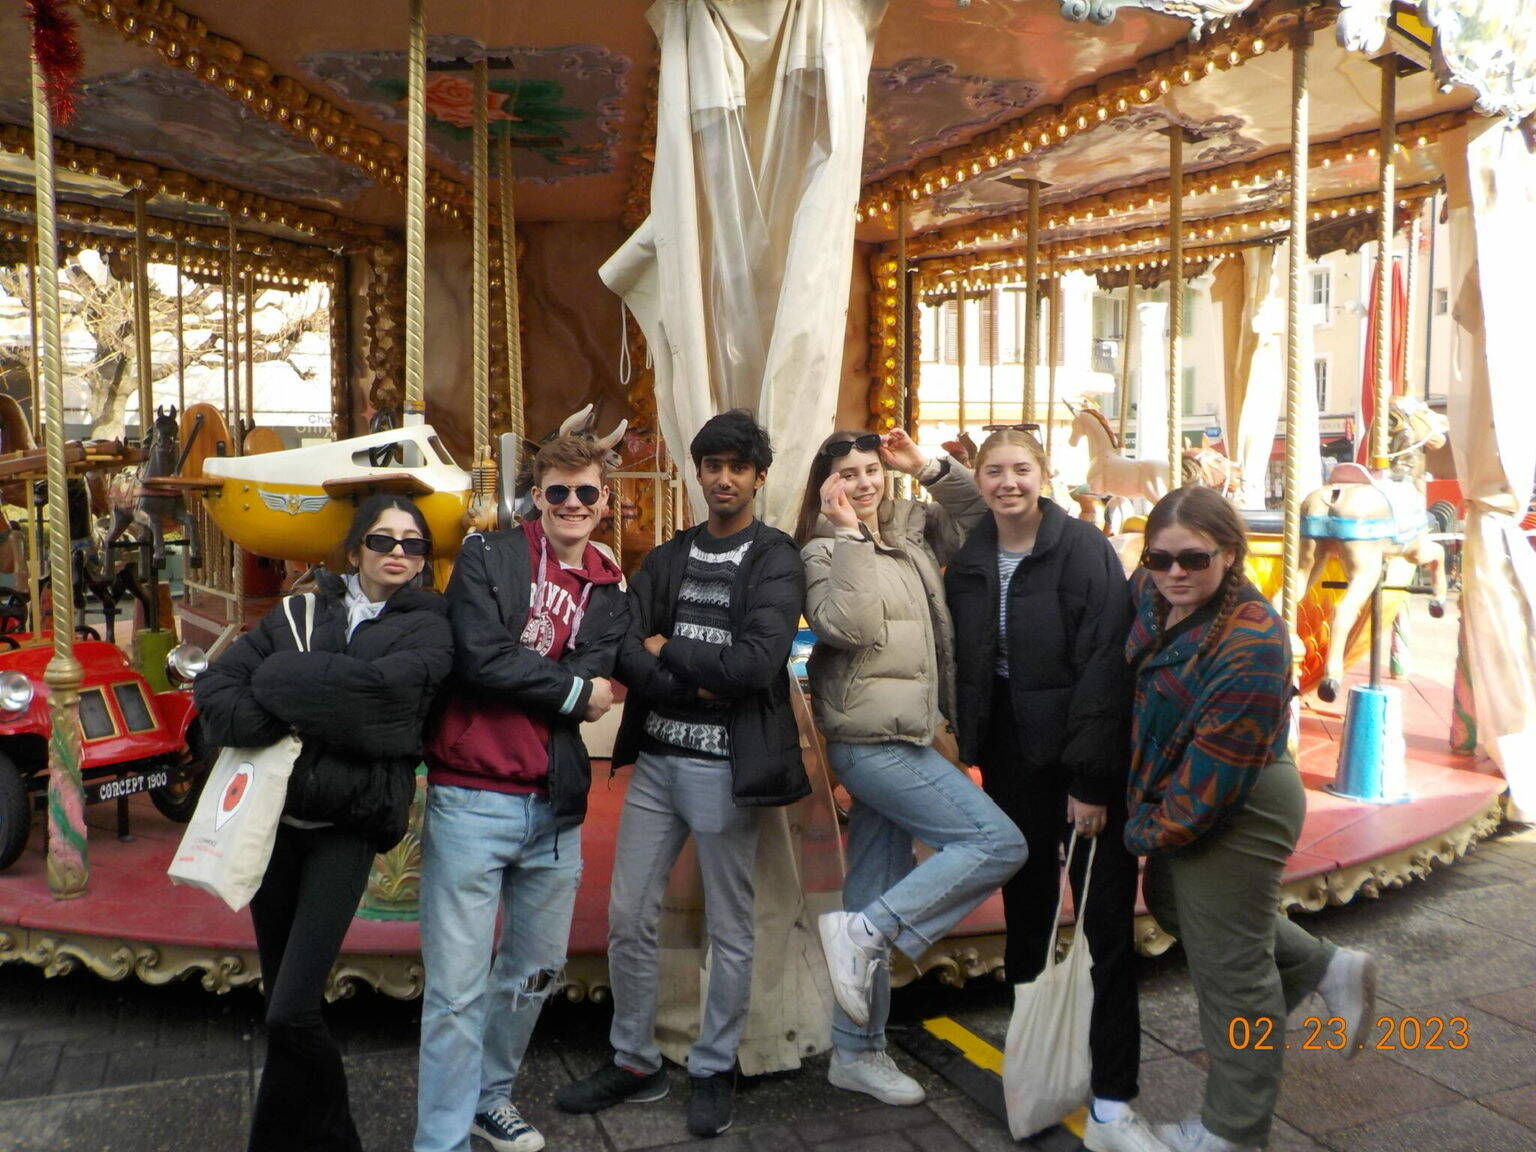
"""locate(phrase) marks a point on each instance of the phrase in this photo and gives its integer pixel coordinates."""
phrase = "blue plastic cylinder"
(1373, 763)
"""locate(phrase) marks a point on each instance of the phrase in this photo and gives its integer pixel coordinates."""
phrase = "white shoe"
(505, 1130)
(849, 963)
(1193, 1136)
(1128, 1133)
(1348, 987)
(875, 1074)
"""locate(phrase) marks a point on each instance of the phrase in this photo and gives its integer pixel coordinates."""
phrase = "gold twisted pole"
(1384, 222)
(961, 340)
(142, 350)
(1127, 345)
(512, 315)
(36, 364)
(1032, 301)
(250, 346)
(1291, 590)
(68, 857)
(181, 345)
(1175, 297)
(481, 308)
(416, 220)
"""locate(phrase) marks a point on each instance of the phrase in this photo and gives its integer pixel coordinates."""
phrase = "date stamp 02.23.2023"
(1331, 1034)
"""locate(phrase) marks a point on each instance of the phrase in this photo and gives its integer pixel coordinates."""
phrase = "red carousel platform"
(133, 922)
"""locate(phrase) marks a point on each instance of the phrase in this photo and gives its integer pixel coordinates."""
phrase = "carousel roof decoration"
(56, 44)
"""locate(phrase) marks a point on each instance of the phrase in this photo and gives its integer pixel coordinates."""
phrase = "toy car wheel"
(15, 813)
(178, 799)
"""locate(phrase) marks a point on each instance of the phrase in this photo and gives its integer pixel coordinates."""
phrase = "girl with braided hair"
(1216, 805)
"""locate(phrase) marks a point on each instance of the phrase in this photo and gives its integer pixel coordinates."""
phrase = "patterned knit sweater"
(1201, 734)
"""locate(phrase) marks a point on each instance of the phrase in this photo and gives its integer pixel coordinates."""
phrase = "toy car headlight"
(16, 692)
(185, 663)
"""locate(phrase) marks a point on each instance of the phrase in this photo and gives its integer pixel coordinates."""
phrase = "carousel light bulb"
(991, 160)
(1121, 104)
(1081, 122)
(1025, 147)
(1234, 57)
(193, 61)
(1101, 113)
(1009, 153)
(912, 192)
(885, 206)
(1185, 75)
(1045, 139)
(928, 187)
(1423, 140)
(975, 167)
(1349, 157)
(1143, 94)
(1326, 162)
(1258, 46)
(943, 181)
(1061, 130)
(1371, 152)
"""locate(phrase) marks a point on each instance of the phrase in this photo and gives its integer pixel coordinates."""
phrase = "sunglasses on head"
(384, 545)
(1192, 560)
(558, 494)
(865, 443)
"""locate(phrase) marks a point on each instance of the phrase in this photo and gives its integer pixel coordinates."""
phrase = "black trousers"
(301, 912)
(1037, 803)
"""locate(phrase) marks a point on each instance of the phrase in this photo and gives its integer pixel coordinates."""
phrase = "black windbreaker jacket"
(1069, 611)
(753, 671)
(357, 705)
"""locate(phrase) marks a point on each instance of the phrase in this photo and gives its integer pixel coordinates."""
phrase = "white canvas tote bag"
(1046, 1064)
(228, 842)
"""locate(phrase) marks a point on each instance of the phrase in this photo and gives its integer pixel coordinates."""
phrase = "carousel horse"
(1109, 473)
(1208, 467)
(1365, 519)
(136, 500)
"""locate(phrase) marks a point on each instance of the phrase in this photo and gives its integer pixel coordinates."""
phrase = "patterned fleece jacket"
(1201, 732)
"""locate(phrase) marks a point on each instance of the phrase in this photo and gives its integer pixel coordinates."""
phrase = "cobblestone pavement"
(85, 1064)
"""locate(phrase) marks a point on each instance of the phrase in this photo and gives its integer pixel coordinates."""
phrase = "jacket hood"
(597, 568)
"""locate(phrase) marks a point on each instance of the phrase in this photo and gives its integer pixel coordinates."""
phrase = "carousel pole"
(416, 221)
(1031, 301)
(1127, 343)
(511, 310)
(181, 346)
(142, 350)
(1384, 221)
(232, 310)
(1415, 232)
(36, 413)
(68, 857)
(250, 346)
(1291, 591)
(1052, 354)
(224, 326)
(481, 308)
(961, 336)
(1175, 298)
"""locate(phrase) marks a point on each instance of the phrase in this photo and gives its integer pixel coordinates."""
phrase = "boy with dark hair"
(538, 616)
(708, 726)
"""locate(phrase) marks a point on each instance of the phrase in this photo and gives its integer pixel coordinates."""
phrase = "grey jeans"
(670, 798)
(1221, 897)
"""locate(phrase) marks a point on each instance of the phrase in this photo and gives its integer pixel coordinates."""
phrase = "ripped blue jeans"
(483, 851)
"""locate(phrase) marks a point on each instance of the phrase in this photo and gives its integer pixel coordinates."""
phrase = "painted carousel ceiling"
(570, 85)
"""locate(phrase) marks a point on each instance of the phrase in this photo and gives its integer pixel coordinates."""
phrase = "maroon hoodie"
(487, 742)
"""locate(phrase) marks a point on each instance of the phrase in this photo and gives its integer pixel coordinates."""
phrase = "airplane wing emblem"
(291, 502)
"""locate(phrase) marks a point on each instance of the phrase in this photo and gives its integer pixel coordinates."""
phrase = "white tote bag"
(229, 840)
(1046, 1064)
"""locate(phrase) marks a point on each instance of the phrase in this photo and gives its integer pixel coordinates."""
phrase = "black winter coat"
(1069, 611)
(357, 705)
(766, 602)
(488, 597)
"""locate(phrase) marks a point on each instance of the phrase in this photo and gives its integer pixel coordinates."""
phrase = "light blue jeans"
(903, 792)
(482, 850)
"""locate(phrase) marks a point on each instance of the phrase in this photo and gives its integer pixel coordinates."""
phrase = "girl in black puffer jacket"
(380, 648)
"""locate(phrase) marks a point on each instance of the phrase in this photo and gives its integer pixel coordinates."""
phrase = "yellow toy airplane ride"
(296, 505)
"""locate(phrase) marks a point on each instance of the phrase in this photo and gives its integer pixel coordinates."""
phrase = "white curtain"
(1491, 194)
(1151, 322)
(739, 278)
(1263, 349)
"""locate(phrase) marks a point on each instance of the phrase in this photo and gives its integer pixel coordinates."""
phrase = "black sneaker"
(709, 1107)
(505, 1130)
(611, 1085)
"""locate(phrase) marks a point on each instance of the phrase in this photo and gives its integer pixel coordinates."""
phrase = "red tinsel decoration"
(56, 44)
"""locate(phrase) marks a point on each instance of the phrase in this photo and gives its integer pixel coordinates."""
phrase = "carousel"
(257, 262)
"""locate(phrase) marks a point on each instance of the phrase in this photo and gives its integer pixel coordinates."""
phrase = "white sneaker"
(849, 963)
(1193, 1136)
(505, 1130)
(1128, 1133)
(1348, 987)
(875, 1074)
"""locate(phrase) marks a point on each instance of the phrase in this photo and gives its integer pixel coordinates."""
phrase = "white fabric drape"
(739, 277)
(1151, 322)
(1491, 194)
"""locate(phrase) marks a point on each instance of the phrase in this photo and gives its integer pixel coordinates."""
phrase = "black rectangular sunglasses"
(865, 443)
(384, 545)
(558, 494)
(1191, 560)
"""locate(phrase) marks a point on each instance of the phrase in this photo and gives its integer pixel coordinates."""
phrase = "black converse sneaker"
(709, 1107)
(611, 1085)
(505, 1130)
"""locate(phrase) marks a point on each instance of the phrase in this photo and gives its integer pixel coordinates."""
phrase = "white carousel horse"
(1366, 519)
(1109, 473)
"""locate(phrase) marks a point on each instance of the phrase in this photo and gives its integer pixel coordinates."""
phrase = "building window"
(1010, 330)
(949, 331)
(1321, 296)
(986, 307)
(1320, 379)
(1442, 301)
(1108, 333)
(1189, 391)
(928, 333)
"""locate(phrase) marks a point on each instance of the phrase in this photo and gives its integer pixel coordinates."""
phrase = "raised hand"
(835, 505)
(898, 451)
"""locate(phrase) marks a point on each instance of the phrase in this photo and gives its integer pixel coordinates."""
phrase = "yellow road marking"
(987, 1056)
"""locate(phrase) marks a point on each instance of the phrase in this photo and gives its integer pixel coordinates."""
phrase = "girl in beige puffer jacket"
(882, 683)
